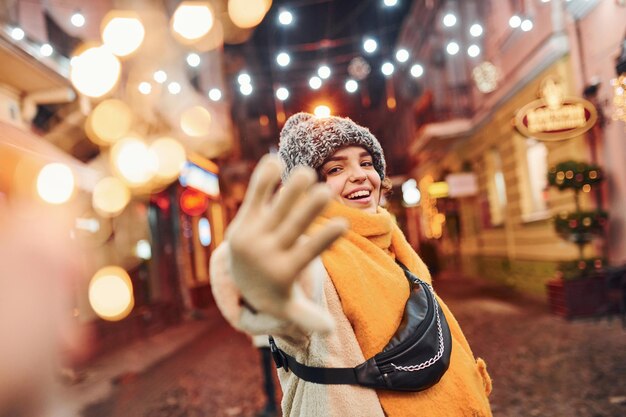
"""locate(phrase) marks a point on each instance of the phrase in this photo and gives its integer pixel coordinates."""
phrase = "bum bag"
(414, 359)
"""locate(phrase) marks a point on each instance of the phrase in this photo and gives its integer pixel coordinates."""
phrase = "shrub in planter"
(580, 226)
(578, 289)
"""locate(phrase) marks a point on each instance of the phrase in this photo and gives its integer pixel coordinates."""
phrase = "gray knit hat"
(309, 140)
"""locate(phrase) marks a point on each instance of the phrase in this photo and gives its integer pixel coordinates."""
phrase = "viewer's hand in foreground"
(266, 252)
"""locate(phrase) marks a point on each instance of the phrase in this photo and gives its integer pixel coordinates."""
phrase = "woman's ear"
(386, 187)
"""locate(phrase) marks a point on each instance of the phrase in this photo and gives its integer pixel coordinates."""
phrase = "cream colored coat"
(339, 348)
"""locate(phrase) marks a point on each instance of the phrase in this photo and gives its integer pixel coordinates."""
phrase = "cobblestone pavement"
(218, 375)
(541, 365)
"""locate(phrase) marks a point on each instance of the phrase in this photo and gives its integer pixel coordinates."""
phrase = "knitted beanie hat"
(309, 140)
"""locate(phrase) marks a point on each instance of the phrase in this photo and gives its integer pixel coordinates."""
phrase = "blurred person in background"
(38, 332)
(332, 295)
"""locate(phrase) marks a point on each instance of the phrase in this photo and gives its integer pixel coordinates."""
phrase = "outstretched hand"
(267, 254)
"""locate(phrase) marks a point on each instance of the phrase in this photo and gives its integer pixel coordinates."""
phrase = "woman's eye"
(333, 170)
(367, 164)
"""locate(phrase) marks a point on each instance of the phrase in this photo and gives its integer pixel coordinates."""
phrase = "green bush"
(574, 175)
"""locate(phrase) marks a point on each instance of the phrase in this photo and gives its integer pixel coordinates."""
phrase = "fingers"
(300, 216)
(299, 183)
(307, 315)
(262, 184)
(318, 242)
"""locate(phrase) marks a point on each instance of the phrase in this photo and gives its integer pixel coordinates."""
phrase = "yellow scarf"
(373, 292)
(371, 286)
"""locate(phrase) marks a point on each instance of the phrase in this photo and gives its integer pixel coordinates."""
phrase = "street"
(541, 365)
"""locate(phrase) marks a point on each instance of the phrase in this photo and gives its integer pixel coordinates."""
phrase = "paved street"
(541, 365)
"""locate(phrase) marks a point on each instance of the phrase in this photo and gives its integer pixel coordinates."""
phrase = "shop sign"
(554, 116)
(193, 203)
(191, 175)
(462, 184)
(438, 189)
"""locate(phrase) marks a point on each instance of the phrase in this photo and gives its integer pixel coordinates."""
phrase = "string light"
(215, 94)
(174, 88)
(526, 25)
(46, 49)
(452, 48)
(351, 86)
(476, 30)
(370, 45)
(245, 89)
(315, 82)
(78, 19)
(244, 78)
(144, 87)
(402, 55)
(283, 59)
(387, 68)
(449, 20)
(193, 60)
(323, 72)
(417, 70)
(473, 51)
(160, 76)
(282, 94)
(515, 21)
(17, 34)
(285, 17)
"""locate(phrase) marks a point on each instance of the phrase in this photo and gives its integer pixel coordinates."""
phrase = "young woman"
(315, 265)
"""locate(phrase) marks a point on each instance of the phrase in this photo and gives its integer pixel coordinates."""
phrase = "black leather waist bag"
(415, 358)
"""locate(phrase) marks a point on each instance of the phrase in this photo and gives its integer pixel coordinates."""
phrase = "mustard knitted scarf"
(371, 286)
(373, 292)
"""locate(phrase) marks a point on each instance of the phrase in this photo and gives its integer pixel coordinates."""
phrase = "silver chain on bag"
(431, 361)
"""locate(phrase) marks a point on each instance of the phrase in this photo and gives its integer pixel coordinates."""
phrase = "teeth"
(356, 194)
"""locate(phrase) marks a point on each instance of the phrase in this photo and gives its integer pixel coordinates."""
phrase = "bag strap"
(311, 373)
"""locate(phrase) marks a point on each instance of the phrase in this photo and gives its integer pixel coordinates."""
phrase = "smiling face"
(351, 176)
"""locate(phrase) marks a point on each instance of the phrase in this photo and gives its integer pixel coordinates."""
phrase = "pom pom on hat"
(309, 140)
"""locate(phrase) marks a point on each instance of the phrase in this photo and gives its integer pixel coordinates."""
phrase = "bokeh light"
(123, 32)
(78, 20)
(192, 20)
(417, 70)
(324, 72)
(95, 72)
(110, 197)
(143, 250)
(315, 82)
(159, 76)
(131, 158)
(111, 293)
(46, 49)
(322, 111)
(196, 121)
(285, 17)
(55, 183)
(144, 87)
(247, 13)
(351, 86)
(110, 120)
(170, 155)
(174, 88)
(215, 94)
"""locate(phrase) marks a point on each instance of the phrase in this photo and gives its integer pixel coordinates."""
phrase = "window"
(496, 187)
(534, 196)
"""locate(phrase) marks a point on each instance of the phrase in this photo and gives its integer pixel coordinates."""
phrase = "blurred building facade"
(164, 235)
(498, 223)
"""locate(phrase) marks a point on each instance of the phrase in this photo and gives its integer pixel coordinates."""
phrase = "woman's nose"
(357, 174)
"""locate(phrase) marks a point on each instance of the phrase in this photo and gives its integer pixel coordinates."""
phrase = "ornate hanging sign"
(554, 116)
